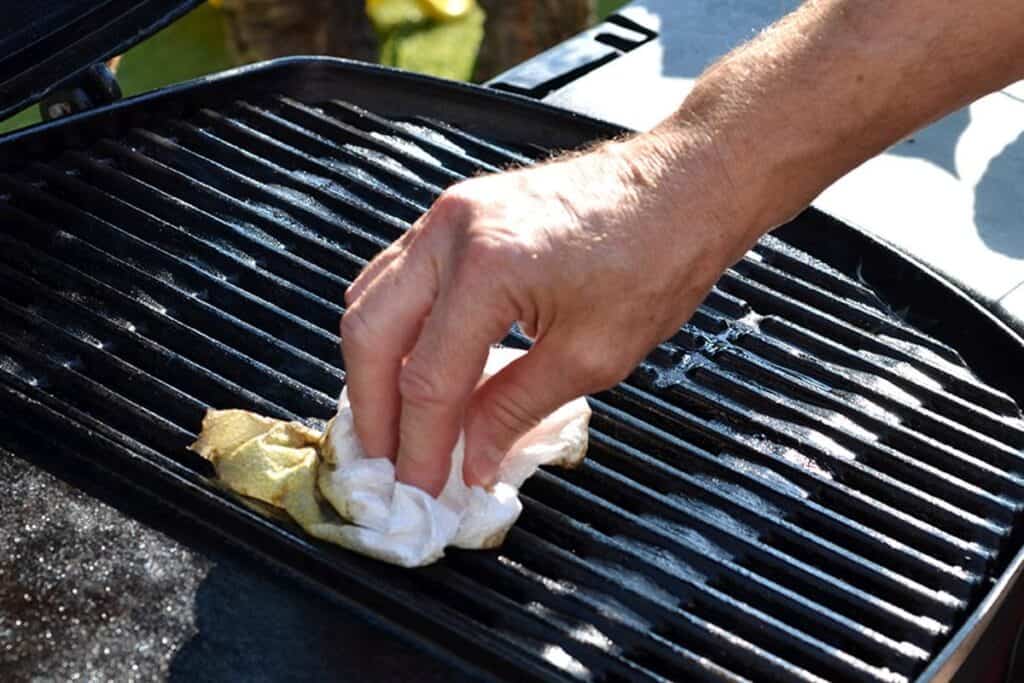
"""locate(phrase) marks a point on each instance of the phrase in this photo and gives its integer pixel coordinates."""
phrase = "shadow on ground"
(999, 196)
(937, 144)
(250, 628)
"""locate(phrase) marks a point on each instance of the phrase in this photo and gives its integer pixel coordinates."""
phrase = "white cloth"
(404, 525)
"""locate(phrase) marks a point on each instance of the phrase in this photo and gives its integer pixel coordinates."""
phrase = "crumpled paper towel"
(327, 484)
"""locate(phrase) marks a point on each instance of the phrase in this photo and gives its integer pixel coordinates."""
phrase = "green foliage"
(606, 7)
(409, 40)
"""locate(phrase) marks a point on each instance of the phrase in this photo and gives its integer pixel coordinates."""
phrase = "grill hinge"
(94, 87)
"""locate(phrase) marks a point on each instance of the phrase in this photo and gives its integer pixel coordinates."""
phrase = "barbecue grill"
(802, 484)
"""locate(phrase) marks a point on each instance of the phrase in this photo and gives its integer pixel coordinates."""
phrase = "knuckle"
(599, 369)
(484, 252)
(456, 202)
(510, 415)
(484, 261)
(417, 384)
(492, 246)
(355, 328)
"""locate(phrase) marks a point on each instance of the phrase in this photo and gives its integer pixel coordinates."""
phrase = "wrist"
(695, 178)
(773, 173)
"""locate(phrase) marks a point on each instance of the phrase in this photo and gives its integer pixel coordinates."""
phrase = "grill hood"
(47, 43)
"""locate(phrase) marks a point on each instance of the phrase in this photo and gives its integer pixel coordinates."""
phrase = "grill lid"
(45, 43)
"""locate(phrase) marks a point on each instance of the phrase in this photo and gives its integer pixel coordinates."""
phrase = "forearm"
(830, 86)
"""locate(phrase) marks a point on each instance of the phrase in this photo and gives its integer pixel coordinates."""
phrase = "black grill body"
(799, 485)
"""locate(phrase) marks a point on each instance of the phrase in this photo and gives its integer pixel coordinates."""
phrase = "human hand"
(599, 256)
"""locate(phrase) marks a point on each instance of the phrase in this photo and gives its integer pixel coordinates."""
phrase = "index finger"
(377, 332)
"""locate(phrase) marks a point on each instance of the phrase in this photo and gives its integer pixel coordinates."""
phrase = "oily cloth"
(329, 486)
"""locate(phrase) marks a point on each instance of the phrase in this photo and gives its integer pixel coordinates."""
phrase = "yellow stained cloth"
(266, 459)
(331, 488)
(273, 461)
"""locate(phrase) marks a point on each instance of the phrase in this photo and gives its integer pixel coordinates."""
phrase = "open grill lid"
(47, 43)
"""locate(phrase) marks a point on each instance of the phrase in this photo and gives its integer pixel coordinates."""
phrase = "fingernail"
(421, 475)
(482, 470)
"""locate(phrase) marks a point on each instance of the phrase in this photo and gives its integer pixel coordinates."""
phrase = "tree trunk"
(265, 29)
(516, 30)
(350, 33)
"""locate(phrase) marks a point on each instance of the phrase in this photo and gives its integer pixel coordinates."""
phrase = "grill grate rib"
(797, 485)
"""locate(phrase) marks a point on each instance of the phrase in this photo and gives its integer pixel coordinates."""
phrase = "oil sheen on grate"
(797, 486)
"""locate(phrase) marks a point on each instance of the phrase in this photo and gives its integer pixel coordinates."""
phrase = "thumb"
(512, 402)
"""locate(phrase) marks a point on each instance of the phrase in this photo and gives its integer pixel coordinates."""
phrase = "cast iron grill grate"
(797, 485)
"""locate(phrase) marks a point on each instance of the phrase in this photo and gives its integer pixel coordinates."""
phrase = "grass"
(410, 40)
(194, 46)
(606, 7)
